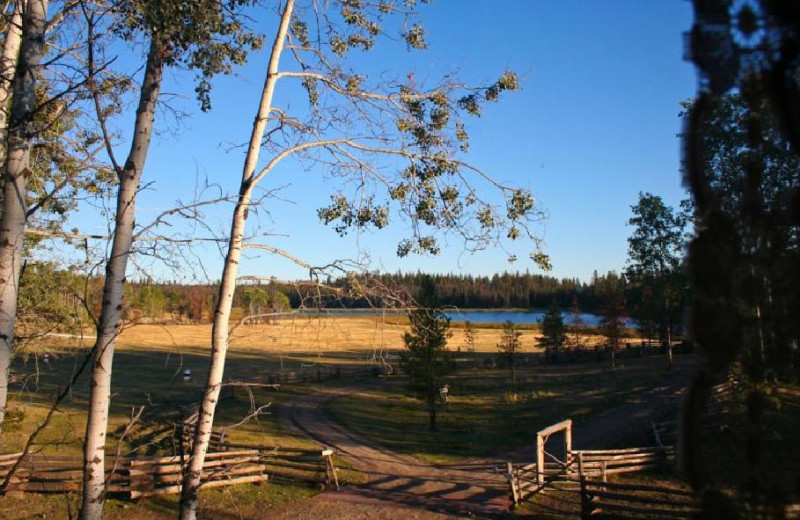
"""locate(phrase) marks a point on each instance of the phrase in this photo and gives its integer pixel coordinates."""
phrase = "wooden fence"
(613, 500)
(55, 474)
(527, 480)
(286, 464)
(524, 481)
(163, 475)
(622, 500)
(602, 463)
(131, 478)
(294, 464)
(315, 375)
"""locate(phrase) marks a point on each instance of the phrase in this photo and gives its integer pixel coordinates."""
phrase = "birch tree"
(19, 136)
(48, 154)
(8, 67)
(205, 36)
(392, 147)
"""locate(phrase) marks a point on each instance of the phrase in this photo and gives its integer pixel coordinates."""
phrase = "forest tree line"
(51, 297)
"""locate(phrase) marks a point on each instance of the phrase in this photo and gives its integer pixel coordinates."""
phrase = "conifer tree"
(554, 333)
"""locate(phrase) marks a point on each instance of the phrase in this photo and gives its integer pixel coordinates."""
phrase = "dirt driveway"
(400, 486)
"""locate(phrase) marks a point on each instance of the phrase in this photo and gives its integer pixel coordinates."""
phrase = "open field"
(486, 414)
(150, 361)
(148, 370)
(307, 334)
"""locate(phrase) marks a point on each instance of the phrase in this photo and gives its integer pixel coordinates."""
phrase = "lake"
(493, 316)
(523, 317)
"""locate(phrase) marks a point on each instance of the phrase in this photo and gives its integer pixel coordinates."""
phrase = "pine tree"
(554, 332)
(509, 346)
(426, 360)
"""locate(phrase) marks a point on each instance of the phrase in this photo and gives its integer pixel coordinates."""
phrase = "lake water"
(522, 317)
(499, 316)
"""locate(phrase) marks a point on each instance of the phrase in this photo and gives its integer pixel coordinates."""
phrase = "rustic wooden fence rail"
(612, 500)
(293, 464)
(163, 475)
(316, 375)
(143, 477)
(529, 479)
(56, 474)
(601, 463)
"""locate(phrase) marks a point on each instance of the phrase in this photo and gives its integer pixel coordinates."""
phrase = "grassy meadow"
(148, 371)
(487, 414)
(150, 361)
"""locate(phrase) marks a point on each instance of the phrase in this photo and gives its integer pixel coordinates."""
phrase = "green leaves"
(299, 30)
(656, 246)
(519, 204)
(419, 245)
(400, 142)
(542, 260)
(349, 216)
(203, 35)
(415, 37)
(471, 102)
(310, 86)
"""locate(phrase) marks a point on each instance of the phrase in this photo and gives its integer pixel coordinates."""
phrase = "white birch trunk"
(8, 68)
(111, 313)
(219, 333)
(15, 181)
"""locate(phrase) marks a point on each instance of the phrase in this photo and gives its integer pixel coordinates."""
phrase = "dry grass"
(312, 334)
(151, 358)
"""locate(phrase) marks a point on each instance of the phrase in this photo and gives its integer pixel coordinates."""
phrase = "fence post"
(512, 483)
(568, 439)
(539, 460)
(331, 479)
(662, 459)
(603, 470)
(586, 500)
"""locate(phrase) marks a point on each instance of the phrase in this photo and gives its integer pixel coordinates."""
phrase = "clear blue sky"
(594, 124)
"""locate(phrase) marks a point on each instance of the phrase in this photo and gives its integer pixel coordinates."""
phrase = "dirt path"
(393, 479)
(400, 486)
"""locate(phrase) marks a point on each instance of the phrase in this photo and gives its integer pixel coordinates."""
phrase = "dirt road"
(400, 486)
(466, 490)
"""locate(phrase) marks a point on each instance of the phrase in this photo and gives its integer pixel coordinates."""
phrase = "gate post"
(512, 483)
(540, 459)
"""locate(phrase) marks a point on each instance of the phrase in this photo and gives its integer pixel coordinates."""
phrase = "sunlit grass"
(487, 414)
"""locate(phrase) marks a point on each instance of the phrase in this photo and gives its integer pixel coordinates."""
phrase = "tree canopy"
(656, 250)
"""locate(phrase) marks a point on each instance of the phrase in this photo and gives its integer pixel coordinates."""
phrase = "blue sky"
(594, 124)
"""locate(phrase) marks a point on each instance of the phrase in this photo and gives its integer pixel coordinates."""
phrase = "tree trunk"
(613, 355)
(15, 181)
(111, 313)
(8, 68)
(432, 414)
(669, 342)
(222, 311)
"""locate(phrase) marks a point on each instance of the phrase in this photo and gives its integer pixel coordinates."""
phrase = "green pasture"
(486, 414)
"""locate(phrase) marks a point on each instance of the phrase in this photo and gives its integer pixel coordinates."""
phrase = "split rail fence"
(529, 479)
(130, 478)
(149, 476)
(612, 500)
